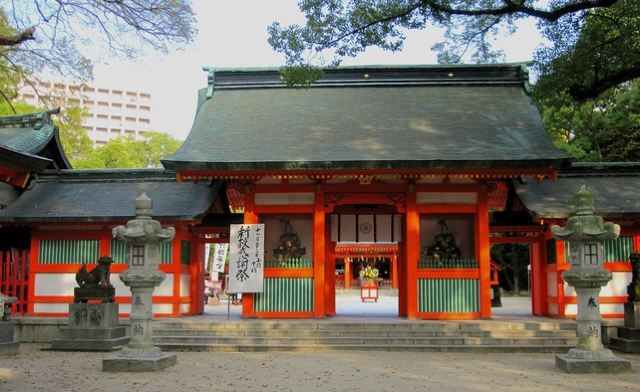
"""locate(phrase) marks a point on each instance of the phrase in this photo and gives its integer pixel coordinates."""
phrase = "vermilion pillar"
(347, 273)
(484, 258)
(394, 271)
(319, 253)
(561, 265)
(250, 217)
(330, 274)
(412, 252)
(538, 278)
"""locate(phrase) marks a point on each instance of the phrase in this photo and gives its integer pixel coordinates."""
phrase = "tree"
(128, 152)
(595, 42)
(58, 35)
(514, 260)
(602, 129)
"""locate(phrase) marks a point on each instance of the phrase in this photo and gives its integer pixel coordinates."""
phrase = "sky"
(234, 34)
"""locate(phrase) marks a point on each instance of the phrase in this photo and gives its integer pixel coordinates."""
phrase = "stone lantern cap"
(583, 223)
(143, 228)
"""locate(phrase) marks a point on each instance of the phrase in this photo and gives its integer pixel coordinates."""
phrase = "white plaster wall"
(571, 309)
(446, 197)
(362, 236)
(617, 286)
(611, 308)
(383, 227)
(54, 284)
(569, 291)
(282, 199)
(553, 308)
(185, 282)
(165, 288)
(162, 308)
(185, 308)
(50, 308)
(552, 289)
(347, 228)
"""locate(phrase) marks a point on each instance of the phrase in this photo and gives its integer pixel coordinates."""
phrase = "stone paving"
(37, 370)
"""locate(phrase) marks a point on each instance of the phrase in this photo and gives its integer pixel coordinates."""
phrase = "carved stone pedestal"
(628, 339)
(8, 346)
(92, 327)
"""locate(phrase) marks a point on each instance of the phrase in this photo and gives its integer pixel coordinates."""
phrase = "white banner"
(246, 266)
(219, 257)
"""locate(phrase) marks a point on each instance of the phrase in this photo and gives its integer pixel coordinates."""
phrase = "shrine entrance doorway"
(366, 279)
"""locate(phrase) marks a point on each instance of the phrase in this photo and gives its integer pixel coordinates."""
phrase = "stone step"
(372, 347)
(629, 333)
(625, 345)
(362, 333)
(360, 340)
(489, 326)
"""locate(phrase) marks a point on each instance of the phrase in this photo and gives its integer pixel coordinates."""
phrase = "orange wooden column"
(561, 265)
(34, 254)
(197, 278)
(538, 278)
(347, 273)
(250, 217)
(319, 253)
(394, 271)
(330, 273)
(484, 258)
(412, 253)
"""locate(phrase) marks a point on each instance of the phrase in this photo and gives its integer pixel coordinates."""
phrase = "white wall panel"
(446, 197)
(283, 199)
(55, 284)
(185, 285)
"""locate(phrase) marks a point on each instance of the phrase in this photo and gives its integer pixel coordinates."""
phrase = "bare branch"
(14, 40)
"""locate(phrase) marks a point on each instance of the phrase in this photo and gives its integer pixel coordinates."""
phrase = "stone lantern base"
(592, 362)
(8, 344)
(129, 361)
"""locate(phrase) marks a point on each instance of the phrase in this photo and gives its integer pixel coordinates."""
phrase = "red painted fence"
(14, 278)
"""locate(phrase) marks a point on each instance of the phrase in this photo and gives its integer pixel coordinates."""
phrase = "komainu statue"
(95, 284)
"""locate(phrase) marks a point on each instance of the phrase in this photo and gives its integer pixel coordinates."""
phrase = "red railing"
(14, 278)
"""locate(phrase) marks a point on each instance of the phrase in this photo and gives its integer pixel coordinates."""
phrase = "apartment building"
(111, 112)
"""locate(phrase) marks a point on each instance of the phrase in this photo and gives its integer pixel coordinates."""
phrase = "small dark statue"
(289, 245)
(444, 245)
(633, 290)
(95, 284)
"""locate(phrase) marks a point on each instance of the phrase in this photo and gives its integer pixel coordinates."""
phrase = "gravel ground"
(37, 370)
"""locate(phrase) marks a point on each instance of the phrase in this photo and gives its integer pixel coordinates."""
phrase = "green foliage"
(604, 129)
(591, 53)
(74, 138)
(592, 44)
(301, 75)
(127, 152)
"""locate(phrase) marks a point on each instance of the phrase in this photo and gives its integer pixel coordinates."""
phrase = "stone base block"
(89, 345)
(91, 339)
(609, 365)
(119, 363)
(632, 314)
(6, 331)
(627, 341)
(9, 348)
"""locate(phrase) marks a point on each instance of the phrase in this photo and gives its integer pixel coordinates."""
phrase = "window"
(590, 254)
(137, 255)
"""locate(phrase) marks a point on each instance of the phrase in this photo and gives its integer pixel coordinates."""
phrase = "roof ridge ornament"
(211, 78)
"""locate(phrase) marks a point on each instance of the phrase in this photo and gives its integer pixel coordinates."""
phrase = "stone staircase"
(313, 335)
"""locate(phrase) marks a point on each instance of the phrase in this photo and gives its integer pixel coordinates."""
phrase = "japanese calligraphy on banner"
(219, 257)
(246, 265)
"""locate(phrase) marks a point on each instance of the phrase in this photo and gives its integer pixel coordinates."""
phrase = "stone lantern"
(143, 235)
(586, 233)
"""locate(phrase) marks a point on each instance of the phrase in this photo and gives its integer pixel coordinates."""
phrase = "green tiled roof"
(614, 187)
(108, 195)
(368, 117)
(31, 141)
